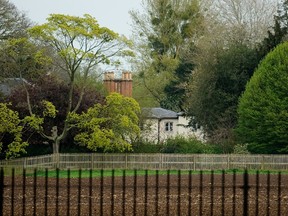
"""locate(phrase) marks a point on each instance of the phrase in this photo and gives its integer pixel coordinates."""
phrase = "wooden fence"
(151, 161)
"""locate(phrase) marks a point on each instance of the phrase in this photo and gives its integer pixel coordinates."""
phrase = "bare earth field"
(152, 196)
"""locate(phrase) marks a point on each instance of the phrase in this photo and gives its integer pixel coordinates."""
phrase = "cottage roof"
(159, 113)
(7, 84)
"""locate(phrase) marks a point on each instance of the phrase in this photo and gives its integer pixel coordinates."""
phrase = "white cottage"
(160, 124)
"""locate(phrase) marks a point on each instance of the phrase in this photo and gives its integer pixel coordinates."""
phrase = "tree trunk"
(56, 146)
(56, 140)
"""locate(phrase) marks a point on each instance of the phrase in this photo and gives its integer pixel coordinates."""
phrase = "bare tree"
(245, 20)
(13, 23)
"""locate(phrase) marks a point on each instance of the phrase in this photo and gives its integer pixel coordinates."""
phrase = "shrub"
(182, 145)
(241, 149)
(263, 108)
(146, 147)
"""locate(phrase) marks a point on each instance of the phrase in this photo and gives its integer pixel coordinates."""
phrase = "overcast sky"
(109, 13)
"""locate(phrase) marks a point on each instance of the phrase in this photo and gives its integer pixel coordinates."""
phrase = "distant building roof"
(9, 83)
(159, 113)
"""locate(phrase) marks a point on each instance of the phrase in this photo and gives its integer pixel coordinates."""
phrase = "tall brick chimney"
(122, 86)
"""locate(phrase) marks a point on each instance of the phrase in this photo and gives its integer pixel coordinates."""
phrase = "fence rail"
(151, 161)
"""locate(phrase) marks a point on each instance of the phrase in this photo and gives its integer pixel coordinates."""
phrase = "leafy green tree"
(225, 59)
(81, 45)
(50, 87)
(216, 87)
(110, 127)
(10, 132)
(20, 58)
(263, 108)
(162, 30)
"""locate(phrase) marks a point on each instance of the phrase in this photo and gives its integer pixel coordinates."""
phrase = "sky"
(113, 14)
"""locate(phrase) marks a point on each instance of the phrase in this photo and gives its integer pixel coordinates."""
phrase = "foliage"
(20, 58)
(10, 132)
(162, 30)
(140, 146)
(81, 45)
(110, 127)
(49, 102)
(215, 88)
(226, 57)
(80, 41)
(142, 94)
(185, 145)
(263, 108)
(241, 149)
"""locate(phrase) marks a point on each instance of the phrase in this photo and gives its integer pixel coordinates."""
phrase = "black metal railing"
(127, 192)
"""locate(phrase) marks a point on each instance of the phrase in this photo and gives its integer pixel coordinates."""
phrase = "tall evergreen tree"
(170, 29)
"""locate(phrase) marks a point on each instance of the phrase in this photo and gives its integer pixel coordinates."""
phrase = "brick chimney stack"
(109, 81)
(122, 86)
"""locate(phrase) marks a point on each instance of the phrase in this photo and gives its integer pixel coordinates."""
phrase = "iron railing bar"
(35, 192)
(57, 191)
(123, 192)
(68, 192)
(245, 193)
(46, 193)
(1, 190)
(79, 191)
(90, 191)
(190, 193)
(135, 194)
(212, 193)
(179, 194)
(24, 192)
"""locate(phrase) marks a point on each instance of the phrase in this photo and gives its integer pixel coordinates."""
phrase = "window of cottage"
(169, 126)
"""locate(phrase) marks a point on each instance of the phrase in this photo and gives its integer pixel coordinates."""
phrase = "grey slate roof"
(159, 113)
(8, 84)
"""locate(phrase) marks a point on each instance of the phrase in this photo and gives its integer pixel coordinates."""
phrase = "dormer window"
(169, 126)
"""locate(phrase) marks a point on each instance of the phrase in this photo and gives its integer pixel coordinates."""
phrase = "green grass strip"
(108, 173)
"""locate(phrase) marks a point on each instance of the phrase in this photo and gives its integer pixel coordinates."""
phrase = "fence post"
(92, 161)
(126, 161)
(228, 161)
(161, 162)
(262, 163)
(25, 163)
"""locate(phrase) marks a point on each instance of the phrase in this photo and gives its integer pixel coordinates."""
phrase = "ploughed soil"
(147, 195)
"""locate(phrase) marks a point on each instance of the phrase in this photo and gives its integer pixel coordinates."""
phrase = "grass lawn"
(107, 173)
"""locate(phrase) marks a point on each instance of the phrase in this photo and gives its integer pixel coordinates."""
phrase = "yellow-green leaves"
(10, 125)
(110, 127)
(35, 121)
(81, 44)
(49, 109)
(21, 58)
(80, 41)
(8, 119)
